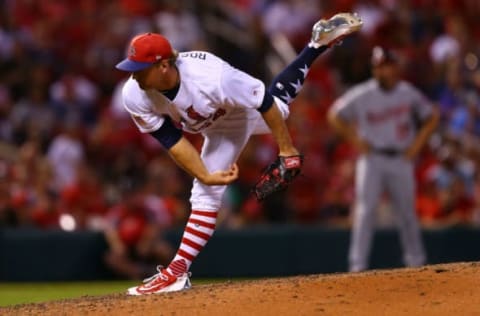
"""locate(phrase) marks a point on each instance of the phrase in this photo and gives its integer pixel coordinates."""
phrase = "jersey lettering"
(198, 55)
(381, 116)
(194, 115)
(198, 118)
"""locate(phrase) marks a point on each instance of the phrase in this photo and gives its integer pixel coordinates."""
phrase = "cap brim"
(132, 66)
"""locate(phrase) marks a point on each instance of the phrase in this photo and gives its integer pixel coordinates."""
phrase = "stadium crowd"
(70, 156)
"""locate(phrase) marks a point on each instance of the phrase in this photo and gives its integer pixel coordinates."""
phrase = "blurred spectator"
(453, 178)
(6, 125)
(57, 69)
(448, 45)
(65, 154)
(134, 240)
(292, 18)
(453, 94)
(428, 204)
(465, 118)
(163, 193)
(338, 195)
(74, 98)
(372, 15)
(177, 23)
(7, 213)
(32, 195)
(82, 200)
(453, 163)
(33, 117)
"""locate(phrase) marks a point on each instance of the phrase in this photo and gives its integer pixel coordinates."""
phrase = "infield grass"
(22, 293)
(19, 293)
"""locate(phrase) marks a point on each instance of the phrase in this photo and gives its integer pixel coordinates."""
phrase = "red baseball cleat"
(161, 282)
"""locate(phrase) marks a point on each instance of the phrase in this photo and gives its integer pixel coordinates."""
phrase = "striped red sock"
(199, 229)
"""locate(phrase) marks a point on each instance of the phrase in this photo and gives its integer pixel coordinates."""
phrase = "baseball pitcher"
(198, 92)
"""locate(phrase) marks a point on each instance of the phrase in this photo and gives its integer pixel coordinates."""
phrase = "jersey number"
(403, 130)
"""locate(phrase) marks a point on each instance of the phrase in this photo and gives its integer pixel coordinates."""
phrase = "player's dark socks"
(289, 82)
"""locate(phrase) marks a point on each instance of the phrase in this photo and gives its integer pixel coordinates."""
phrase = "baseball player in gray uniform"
(197, 92)
(389, 121)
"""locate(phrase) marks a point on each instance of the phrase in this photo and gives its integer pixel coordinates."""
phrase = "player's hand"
(222, 177)
(292, 151)
(410, 153)
(362, 146)
(119, 249)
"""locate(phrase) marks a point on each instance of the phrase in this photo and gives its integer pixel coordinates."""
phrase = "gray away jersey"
(384, 118)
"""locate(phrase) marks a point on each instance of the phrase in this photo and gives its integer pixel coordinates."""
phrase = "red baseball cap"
(145, 50)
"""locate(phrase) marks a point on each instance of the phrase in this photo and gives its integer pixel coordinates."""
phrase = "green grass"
(19, 293)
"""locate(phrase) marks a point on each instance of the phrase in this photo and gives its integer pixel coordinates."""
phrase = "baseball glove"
(278, 176)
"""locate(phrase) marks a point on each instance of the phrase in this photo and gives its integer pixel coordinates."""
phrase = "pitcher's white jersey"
(209, 89)
(384, 118)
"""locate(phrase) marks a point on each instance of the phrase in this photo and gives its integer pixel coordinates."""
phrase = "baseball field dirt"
(447, 289)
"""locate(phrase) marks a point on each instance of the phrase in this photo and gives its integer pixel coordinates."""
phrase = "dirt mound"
(447, 289)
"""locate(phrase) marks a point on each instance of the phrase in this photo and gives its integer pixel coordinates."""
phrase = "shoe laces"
(326, 26)
(329, 25)
(160, 275)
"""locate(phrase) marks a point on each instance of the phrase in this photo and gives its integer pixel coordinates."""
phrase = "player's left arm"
(428, 127)
(287, 166)
(280, 132)
(239, 89)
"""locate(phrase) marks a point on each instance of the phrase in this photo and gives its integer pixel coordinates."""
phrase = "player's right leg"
(222, 146)
(325, 33)
(368, 190)
(162, 282)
